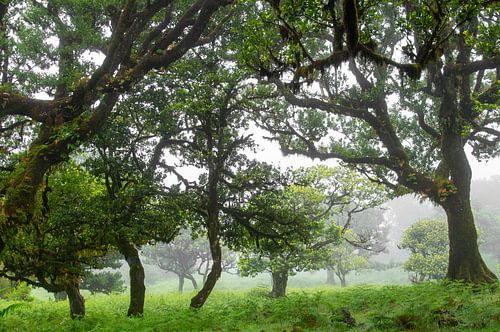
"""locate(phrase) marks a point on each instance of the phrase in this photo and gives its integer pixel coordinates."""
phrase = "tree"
(345, 258)
(67, 236)
(180, 256)
(427, 241)
(366, 236)
(127, 157)
(103, 282)
(311, 210)
(444, 58)
(133, 37)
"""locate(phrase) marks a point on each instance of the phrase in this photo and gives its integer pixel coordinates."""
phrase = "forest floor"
(422, 307)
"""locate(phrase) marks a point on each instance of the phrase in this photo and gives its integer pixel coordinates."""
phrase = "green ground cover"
(424, 307)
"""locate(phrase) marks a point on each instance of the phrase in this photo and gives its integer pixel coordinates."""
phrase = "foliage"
(103, 282)
(427, 306)
(345, 258)
(71, 224)
(323, 201)
(427, 241)
(9, 309)
(333, 65)
(14, 291)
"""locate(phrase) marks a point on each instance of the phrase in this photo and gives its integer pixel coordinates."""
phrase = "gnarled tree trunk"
(280, 280)
(199, 299)
(213, 230)
(465, 262)
(76, 301)
(136, 273)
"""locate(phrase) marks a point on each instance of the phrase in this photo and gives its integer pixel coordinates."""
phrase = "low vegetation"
(421, 307)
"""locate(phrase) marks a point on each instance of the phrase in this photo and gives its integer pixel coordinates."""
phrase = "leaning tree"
(397, 90)
(83, 55)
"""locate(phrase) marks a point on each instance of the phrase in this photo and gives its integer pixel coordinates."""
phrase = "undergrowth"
(423, 307)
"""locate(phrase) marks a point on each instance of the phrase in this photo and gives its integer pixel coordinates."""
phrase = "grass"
(423, 307)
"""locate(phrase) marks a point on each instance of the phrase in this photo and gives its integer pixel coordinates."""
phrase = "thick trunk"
(193, 281)
(181, 283)
(465, 262)
(76, 301)
(280, 280)
(60, 296)
(136, 273)
(330, 277)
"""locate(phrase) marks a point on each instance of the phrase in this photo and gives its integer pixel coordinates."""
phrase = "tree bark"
(330, 277)
(76, 301)
(213, 235)
(280, 280)
(181, 283)
(136, 273)
(213, 227)
(465, 262)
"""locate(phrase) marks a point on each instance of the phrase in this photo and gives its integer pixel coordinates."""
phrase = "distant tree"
(186, 257)
(319, 196)
(345, 258)
(106, 282)
(180, 256)
(427, 241)
(103, 282)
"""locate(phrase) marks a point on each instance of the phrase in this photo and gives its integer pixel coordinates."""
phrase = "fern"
(5, 311)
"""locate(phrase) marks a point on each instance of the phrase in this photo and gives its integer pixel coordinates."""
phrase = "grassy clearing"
(425, 307)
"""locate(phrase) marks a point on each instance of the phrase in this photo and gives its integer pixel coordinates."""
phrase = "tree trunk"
(343, 282)
(213, 227)
(76, 301)
(280, 280)
(136, 273)
(60, 296)
(465, 262)
(193, 281)
(199, 299)
(330, 277)
(181, 283)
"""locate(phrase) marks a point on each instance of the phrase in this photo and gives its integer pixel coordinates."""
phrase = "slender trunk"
(343, 282)
(136, 273)
(213, 227)
(280, 280)
(193, 281)
(330, 277)
(213, 235)
(181, 283)
(76, 301)
(341, 275)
